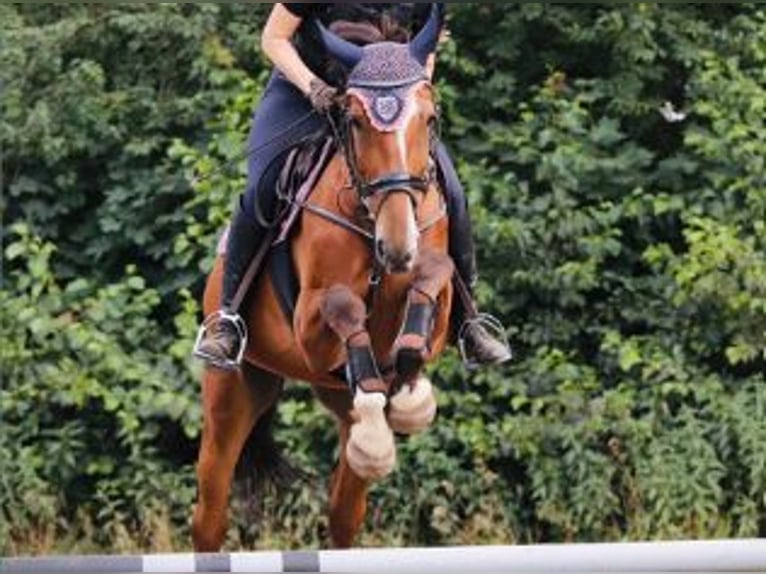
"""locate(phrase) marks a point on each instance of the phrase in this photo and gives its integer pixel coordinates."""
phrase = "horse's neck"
(333, 190)
(324, 251)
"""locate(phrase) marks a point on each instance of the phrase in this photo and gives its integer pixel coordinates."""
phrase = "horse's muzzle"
(394, 261)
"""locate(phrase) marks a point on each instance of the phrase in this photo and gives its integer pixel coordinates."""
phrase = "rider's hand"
(322, 96)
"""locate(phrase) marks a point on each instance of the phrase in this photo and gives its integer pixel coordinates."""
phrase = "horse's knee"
(215, 471)
(264, 388)
(230, 411)
(344, 311)
(223, 436)
(433, 267)
(226, 399)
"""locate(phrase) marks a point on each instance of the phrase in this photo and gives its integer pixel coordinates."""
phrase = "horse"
(371, 257)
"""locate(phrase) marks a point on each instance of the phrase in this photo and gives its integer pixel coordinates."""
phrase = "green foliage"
(94, 97)
(95, 399)
(217, 175)
(627, 253)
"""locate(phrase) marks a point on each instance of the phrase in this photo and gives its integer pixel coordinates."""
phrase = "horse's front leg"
(413, 408)
(371, 450)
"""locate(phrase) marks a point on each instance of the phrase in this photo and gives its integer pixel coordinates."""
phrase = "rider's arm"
(276, 42)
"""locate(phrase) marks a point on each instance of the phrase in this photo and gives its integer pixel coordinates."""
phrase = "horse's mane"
(364, 33)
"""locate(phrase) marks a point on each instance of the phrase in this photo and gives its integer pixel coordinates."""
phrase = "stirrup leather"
(210, 325)
(492, 325)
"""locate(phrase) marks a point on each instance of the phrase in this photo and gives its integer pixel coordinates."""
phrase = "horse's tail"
(262, 464)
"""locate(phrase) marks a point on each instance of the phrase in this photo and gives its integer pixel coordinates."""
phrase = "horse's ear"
(343, 51)
(424, 44)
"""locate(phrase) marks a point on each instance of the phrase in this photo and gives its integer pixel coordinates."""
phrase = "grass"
(160, 535)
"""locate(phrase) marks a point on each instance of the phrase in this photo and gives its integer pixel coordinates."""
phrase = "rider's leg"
(481, 345)
(282, 120)
(222, 344)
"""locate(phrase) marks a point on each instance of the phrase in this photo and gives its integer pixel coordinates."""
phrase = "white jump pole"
(713, 556)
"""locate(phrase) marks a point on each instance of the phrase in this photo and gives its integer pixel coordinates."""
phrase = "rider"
(301, 83)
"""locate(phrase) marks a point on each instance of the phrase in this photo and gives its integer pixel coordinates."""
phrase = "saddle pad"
(284, 279)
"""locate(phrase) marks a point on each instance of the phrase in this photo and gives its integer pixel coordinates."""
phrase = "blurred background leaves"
(627, 255)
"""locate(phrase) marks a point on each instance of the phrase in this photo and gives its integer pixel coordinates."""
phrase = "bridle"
(415, 186)
(340, 123)
(385, 76)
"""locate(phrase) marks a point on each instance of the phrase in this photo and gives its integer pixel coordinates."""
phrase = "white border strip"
(722, 556)
(170, 563)
(257, 562)
(714, 556)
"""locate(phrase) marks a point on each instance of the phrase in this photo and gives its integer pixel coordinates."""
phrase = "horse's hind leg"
(348, 492)
(232, 402)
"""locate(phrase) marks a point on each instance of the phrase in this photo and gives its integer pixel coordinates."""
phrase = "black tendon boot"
(482, 338)
(223, 337)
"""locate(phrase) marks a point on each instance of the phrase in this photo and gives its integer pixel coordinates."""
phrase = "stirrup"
(212, 323)
(492, 325)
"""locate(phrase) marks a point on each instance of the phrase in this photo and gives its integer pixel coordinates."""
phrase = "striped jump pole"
(718, 556)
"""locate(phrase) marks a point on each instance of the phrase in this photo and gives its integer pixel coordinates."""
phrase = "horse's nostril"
(380, 249)
(394, 261)
(401, 264)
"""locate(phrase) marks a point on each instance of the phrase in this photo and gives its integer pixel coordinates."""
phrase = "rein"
(250, 152)
(349, 225)
(395, 182)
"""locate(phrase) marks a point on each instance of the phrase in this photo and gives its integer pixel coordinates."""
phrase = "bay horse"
(376, 211)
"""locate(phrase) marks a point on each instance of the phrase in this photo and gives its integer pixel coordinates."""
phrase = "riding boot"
(482, 338)
(223, 339)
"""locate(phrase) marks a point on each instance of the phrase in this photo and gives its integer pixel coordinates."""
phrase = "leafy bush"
(627, 253)
(98, 405)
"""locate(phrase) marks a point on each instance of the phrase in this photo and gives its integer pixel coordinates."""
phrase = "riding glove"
(322, 96)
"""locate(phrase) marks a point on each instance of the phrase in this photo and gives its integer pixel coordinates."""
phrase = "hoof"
(413, 409)
(371, 449)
